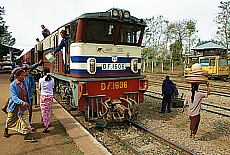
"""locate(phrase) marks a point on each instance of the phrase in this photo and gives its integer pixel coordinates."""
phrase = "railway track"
(216, 90)
(141, 140)
(224, 111)
(136, 138)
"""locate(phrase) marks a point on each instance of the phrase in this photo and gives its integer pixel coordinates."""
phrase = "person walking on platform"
(46, 85)
(167, 92)
(18, 115)
(193, 99)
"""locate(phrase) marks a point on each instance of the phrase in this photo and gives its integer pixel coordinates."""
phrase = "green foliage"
(223, 24)
(146, 54)
(5, 36)
(175, 48)
(161, 32)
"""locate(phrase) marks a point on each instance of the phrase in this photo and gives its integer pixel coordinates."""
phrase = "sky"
(24, 17)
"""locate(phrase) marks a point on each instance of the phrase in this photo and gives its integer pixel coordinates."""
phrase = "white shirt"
(46, 87)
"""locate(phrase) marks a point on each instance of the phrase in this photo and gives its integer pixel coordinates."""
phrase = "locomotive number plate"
(114, 85)
(113, 66)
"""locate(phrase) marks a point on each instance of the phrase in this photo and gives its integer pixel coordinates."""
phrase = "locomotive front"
(100, 72)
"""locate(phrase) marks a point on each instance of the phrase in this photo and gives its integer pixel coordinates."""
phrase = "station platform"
(58, 141)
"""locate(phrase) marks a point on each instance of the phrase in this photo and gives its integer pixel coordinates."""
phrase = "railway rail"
(224, 111)
(147, 138)
(225, 93)
(174, 147)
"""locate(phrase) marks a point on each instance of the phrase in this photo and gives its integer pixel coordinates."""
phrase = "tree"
(223, 24)
(155, 38)
(175, 48)
(181, 31)
(5, 36)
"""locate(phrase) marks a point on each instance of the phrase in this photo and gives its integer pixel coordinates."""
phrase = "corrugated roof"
(209, 45)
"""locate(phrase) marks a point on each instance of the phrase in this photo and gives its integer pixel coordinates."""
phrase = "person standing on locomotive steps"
(193, 99)
(46, 85)
(167, 92)
(64, 42)
(45, 31)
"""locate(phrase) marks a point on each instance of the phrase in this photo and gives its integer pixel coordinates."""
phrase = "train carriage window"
(100, 31)
(212, 62)
(223, 62)
(204, 62)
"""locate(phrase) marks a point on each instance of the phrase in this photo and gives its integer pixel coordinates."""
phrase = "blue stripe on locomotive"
(83, 59)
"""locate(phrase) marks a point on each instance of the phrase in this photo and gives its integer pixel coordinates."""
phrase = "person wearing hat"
(18, 115)
(64, 41)
(193, 100)
(12, 78)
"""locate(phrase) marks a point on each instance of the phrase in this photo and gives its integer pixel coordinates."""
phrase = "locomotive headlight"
(134, 65)
(126, 14)
(91, 65)
(115, 13)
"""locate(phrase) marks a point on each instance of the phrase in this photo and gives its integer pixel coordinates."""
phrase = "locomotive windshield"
(104, 32)
(100, 31)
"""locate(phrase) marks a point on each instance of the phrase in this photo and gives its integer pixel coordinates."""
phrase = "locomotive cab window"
(129, 34)
(98, 31)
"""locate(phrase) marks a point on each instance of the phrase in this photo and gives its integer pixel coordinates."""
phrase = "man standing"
(45, 31)
(167, 92)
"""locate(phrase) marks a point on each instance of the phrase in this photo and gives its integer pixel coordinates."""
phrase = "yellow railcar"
(217, 66)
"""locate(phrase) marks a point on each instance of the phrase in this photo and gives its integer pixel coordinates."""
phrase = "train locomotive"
(99, 73)
(217, 66)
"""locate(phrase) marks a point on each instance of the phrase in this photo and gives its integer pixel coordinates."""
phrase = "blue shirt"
(14, 99)
(29, 80)
(64, 43)
(167, 87)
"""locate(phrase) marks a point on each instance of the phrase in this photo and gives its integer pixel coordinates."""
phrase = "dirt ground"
(56, 142)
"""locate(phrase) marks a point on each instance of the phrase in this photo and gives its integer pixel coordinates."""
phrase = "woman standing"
(193, 99)
(18, 115)
(46, 85)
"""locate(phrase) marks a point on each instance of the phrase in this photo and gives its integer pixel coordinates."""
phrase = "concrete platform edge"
(83, 139)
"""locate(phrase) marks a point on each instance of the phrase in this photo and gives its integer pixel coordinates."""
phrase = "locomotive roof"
(107, 15)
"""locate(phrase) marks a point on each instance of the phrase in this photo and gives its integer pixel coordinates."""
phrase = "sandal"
(6, 135)
(29, 139)
(46, 130)
(32, 129)
(4, 110)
